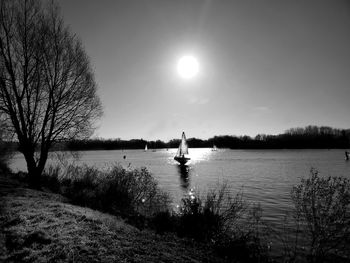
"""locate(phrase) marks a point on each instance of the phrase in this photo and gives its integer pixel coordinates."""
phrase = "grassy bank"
(40, 226)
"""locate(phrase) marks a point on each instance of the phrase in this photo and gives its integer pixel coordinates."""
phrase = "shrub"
(323, 207)
(164, 221)
(116, 190)
(198, 222)
(225, 221)
(204, 217)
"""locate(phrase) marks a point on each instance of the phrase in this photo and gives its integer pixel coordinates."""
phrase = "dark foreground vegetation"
(312, 137)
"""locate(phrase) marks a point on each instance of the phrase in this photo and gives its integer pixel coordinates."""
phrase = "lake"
(265, 176)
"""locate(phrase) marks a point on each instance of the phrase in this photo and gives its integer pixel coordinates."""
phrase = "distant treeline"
(310, 137)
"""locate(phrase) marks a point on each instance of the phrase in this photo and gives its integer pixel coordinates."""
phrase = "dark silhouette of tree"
(47, 86)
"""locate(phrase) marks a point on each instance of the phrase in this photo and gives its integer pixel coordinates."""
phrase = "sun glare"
(187, 67)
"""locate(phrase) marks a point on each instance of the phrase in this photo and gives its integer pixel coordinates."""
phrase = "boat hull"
(181, 160)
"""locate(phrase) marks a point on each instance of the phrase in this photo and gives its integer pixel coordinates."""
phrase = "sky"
(264, 66)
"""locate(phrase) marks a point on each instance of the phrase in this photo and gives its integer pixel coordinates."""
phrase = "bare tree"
(47, 87)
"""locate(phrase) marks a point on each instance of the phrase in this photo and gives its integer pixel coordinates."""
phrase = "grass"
(42, 227)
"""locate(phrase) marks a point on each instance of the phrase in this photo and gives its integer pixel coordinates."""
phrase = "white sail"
(146, 148)
(182, 151)
(183, 147)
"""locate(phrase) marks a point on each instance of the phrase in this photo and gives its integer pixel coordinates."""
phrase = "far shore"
(310, 137)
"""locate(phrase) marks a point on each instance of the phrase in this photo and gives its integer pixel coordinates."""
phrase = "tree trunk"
(35, 168)
(43, 158)
(33, 175)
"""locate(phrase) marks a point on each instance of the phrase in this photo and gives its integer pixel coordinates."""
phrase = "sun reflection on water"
(200, 154)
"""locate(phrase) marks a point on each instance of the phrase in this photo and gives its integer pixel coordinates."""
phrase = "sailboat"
(182, 150)
(146, 148)
(214, 149)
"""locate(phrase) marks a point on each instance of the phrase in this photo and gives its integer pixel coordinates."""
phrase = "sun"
(187, 67)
